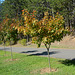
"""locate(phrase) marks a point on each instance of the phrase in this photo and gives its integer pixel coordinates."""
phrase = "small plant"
(0, 42)
(23, 42)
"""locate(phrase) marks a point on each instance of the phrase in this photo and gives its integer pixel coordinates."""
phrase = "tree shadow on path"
(29, 51)
(35, 52)
(68, 62)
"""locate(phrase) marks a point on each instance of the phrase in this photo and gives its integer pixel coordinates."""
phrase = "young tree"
(4, 26)
(47, 30)
(7, 32)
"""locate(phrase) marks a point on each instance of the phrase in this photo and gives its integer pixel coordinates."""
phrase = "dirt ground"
(66, 42)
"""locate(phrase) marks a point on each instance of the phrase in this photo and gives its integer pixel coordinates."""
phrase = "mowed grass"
(31, 65)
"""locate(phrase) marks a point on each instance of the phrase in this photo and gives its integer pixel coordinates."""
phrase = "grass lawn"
(31, 65)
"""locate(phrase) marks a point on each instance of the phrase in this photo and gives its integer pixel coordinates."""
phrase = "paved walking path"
(56, 53)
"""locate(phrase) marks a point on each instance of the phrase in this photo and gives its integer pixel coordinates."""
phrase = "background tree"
(67, 9)
(13, 8)
(8, 33)
(4, 26)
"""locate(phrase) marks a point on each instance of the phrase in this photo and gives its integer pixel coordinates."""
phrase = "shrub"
(12, 42)
(1, 42)
(19, 42)
(23, 42)
(7, 43)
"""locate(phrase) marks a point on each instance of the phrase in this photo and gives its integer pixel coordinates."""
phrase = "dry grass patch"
(47, 70)
(34, 72)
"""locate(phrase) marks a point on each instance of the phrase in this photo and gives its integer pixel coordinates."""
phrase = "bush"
(12, 42)
(23, 42)
(1, 42)
(7, 43)
(19, 42)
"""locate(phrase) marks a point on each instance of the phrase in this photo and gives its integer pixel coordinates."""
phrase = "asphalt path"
(55, 53)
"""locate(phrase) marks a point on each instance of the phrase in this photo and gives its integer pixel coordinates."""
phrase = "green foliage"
(13, 8)
(67, 9)
(7, 43)
(1, 42)
(13, 35)
(23, 42)
(12, 41)
(19, 41)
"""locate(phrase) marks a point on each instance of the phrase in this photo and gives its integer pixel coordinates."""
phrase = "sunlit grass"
(31, 65)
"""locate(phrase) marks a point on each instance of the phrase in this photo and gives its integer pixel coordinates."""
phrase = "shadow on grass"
(68, 62)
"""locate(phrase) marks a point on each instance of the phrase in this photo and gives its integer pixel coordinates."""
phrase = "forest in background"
(13, 9)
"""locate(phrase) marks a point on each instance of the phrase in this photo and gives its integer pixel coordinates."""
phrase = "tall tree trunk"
(74, 21)
(69, 23)
(49, 59)
(11, 51)
(52, 12)
(48, 47)
(4, 48)
(27, 39)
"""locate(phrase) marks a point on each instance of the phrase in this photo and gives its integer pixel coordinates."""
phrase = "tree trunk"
(52, 12)
(11, 51)
(49, 58)
(48, 47)
(4, 48)
(69, 23)
(11, 54)
(27, 39)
